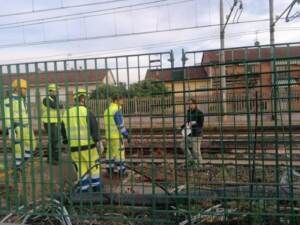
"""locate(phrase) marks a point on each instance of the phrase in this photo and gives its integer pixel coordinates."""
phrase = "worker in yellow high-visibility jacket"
(51, 120)
(115, 133)
(18, 124)
(81, 132)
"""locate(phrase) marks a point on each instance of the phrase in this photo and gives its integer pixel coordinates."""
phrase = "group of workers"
(78, 129)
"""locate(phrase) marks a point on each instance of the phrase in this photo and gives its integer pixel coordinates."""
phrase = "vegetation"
(141, 89)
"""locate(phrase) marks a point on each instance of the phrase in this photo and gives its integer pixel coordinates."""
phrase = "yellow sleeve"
(7, 108)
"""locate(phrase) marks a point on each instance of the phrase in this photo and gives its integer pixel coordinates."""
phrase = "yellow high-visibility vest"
(15, 111)
(16, 118)
(111, 129)
(75, 121)
(49, 115)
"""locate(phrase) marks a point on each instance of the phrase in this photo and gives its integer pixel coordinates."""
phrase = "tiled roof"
(59, 77)
(191, 73)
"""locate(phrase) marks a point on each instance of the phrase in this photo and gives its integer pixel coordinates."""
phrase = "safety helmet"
(19, 83)
(80, 92)
(52, 87)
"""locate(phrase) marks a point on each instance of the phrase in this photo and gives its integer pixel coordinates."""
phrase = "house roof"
(176, 74)
(60, 77)
(250, 54)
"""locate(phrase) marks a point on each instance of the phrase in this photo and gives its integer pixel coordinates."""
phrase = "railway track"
(232, 146)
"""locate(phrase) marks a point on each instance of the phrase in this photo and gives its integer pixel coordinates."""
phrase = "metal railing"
(247, 172)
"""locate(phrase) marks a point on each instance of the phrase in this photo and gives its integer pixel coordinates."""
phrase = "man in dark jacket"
(51, 120)
(192, 132)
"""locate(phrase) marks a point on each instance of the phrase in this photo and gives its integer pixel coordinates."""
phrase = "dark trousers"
(53, 133)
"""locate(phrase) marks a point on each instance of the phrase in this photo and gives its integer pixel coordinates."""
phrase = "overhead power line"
(123, 35)
(180, 42)
(145, 47)
(223, 25)
(129, 9)
(77, 15)
(288, 11)
(60, 8)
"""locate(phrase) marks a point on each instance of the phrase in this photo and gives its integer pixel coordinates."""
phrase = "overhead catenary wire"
(229, 15)
(147, 47)
(81, 15)
(238, 12)
(33, 11)
(287, 11)
(130, 9)
(18, 44)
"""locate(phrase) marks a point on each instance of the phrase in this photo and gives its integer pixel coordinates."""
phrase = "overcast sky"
(115, 27)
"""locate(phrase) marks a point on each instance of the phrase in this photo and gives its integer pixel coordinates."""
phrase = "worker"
(51, 120)
(17, 123)
(115, 133)
(192, 131)
(80, 131)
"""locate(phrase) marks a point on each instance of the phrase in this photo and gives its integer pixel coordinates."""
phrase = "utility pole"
(272, 24)
(223, 25)
(288, 17)
(272, 42)
(222, 59)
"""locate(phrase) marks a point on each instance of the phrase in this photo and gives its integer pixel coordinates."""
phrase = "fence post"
(135, 99)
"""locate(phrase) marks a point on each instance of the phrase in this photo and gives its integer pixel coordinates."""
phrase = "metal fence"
(247, 172)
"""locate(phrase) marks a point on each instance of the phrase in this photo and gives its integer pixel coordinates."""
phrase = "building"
(68, 81)
(249, 73)
(182, 81)
(257, 64)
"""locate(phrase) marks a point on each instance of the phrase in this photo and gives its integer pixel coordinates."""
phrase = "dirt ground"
(28, 187)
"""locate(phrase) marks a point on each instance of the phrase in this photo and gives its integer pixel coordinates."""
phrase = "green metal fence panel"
(140, 139)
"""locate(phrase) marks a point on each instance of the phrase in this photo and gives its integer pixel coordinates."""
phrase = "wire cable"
(15, 25)
(60, 8)
(121, 11)
(75, 15)
(123, 34)
(149, 46)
